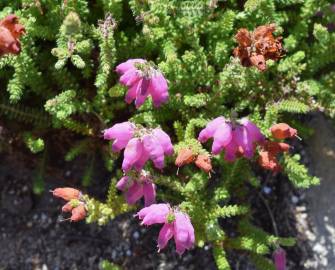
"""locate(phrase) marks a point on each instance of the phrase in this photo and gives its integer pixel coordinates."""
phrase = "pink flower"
(176, 224)
(134, 189)
(140, 145)
(143, 79)
(235, 138)
(121, 134)
(279, 257)
(10, 34)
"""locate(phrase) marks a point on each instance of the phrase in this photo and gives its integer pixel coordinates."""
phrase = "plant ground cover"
(33, 235)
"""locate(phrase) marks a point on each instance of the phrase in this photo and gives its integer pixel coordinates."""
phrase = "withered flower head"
(203, 162)
(268, 155)
(185, 156)
(10, 32)
(269, 161)
(254, 48)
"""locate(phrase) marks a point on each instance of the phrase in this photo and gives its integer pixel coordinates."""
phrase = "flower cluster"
(137, 186)
(140, 145)
(74, 204)
(258, 46)
(143, 80)
(176, 224)
(10, 32)
(237, 139)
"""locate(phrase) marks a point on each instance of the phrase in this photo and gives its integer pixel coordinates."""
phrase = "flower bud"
(66, 193)
(282, 131)
(204, 162)
(185, 156)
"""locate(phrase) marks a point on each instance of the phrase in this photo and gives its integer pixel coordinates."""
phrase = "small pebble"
(136, 235)
(267, 190)
(294, 199)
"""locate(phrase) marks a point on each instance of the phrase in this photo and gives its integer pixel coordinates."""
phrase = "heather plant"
(195, 71)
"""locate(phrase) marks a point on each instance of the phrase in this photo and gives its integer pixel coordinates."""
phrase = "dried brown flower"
(254, 48)
(268, 155)
(185, 156)
(283, 131)
(204, 163)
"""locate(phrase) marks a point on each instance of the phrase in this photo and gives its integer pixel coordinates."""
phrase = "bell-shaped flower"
(132, 153)
(10, 32)
(253, 131)
(142, 80)
(136, 187)
(140, 145)
(164, 140)
(121, 134)
(176, 224)
(155, 150)
(155, 213)
(210, 129)
(236, 139)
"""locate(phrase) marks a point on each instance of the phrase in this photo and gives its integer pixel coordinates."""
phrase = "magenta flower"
(235, 138)
(136, 187)
(142, 79)
(279, 257)
(140, 145)
(176, 224)
(121, 134)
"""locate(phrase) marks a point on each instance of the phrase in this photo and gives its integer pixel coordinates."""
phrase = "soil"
(33, 235)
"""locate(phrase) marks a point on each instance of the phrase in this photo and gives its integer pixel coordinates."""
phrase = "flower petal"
(222, 137)
(165, 234)
(149, 192)
(134, 193)
(141, 92)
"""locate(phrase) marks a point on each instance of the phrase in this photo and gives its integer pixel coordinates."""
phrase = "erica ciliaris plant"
(183, 100)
